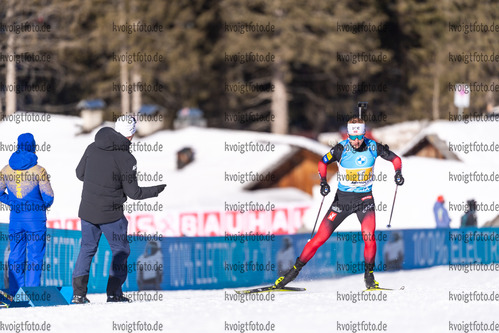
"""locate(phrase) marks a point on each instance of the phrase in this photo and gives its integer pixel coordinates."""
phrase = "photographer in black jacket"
(109, 174)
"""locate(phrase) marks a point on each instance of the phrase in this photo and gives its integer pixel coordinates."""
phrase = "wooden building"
(430, 145)
(298, 169)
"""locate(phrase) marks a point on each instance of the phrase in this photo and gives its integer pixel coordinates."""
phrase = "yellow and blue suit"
(29, 194)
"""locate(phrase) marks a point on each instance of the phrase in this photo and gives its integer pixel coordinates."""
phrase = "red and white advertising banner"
(278, 221)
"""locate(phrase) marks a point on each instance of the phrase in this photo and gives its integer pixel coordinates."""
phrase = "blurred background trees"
(309, 78)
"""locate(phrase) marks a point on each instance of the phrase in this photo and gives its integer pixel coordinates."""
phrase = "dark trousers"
(116, 235)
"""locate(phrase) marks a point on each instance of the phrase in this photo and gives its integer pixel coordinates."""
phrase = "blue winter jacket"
(29, 193)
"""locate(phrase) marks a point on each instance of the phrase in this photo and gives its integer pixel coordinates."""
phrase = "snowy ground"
(423, 306)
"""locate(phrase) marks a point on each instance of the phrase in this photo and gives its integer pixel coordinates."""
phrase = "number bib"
(356, 169)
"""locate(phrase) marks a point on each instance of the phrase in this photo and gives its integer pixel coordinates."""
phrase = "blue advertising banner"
(159, 263)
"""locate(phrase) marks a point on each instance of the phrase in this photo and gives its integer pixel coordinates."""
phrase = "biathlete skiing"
(355, 157)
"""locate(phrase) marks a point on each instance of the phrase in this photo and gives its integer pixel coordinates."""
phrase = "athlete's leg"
(328, 225)
(367, 218)
(331, 221)
(368, 226)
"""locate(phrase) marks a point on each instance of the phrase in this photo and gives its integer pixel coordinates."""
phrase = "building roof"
(458, 140)
(439, 148)
(91, 104)
(150, 109)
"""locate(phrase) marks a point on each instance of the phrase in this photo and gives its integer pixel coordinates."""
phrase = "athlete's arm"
(334, 155)
(385, 153)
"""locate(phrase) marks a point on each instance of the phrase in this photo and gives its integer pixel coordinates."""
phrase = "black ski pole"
(317, 218)
(393, 205)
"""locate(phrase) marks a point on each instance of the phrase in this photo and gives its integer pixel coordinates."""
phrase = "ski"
(268, 289)
(378, 288)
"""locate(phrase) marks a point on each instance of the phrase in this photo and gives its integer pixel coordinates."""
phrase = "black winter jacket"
(109, 174)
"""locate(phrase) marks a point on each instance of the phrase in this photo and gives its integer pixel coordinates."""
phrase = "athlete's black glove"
(325, 189)
(399, 180)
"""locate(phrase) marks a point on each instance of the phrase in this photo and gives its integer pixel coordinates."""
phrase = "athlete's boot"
(369, 277)
(290, 275)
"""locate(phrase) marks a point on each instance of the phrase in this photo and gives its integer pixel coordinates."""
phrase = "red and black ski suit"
(354, 195)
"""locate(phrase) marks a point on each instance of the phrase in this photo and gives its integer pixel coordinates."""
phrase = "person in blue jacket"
(29, 194)
(441, 215)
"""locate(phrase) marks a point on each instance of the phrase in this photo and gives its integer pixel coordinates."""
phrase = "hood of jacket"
(24, 157)
(108, 139)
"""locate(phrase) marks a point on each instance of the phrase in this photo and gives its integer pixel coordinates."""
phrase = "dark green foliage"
(414, 39)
